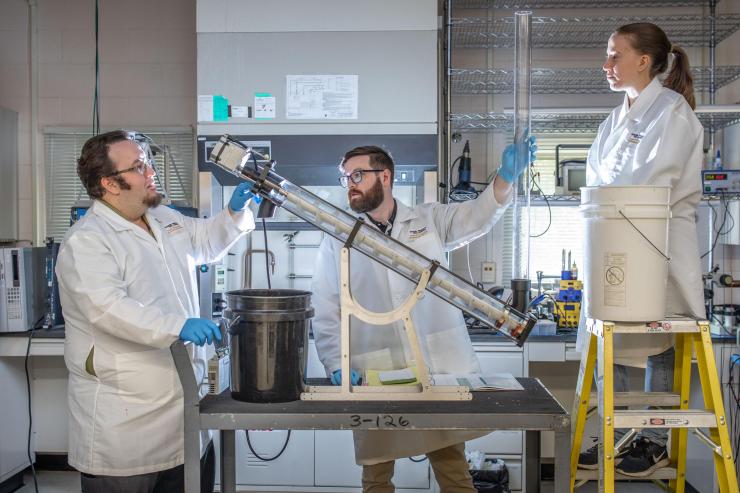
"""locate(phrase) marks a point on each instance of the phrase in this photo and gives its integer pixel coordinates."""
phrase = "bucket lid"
(269, 305)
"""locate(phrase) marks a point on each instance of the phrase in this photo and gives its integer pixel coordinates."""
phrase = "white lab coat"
(126, 295)
(658, 141)
(432, 230)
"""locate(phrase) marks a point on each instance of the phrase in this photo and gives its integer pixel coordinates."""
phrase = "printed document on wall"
(321, 97)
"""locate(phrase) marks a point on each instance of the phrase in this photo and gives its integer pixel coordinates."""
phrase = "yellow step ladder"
(689, 334)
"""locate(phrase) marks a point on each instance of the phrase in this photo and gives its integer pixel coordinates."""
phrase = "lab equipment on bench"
(720, 181)
(235, 158)
(570, 173)
(570, 295)
(22, 288)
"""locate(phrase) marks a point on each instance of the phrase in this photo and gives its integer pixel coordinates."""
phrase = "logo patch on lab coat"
(635, 137)
(417, 233)
(173, 228)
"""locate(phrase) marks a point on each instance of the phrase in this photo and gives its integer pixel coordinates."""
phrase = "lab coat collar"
(404, 213)
(643, 102)
(120, 223)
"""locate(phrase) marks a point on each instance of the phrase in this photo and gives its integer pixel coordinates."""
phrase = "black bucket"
(269, 343)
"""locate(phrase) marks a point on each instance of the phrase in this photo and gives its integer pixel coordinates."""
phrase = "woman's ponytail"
(679, 78)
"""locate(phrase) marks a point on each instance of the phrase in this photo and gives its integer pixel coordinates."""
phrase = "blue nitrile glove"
(240, 197)
(200, 331)
(336, 377)
(509, 170)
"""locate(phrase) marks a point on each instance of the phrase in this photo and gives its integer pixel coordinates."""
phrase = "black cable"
(549, 209)
(30, 415)
(419, 460)
(267, 459)
(267, 263)
(452, 168)
(96, 97)
(264, 232)
(721, 227)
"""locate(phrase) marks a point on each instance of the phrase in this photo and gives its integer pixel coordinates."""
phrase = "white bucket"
(626, 252)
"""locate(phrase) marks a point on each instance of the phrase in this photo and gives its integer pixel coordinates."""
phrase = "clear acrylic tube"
(522, 128)
(380, 247)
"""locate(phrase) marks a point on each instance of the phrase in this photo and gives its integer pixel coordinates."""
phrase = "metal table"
(534, 410)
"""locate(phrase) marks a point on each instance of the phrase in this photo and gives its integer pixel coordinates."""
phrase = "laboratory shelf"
(585, 32)
(572, 4)
(566, 80)
(577, 120)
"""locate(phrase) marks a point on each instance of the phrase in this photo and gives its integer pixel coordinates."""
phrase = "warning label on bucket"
(615, 287)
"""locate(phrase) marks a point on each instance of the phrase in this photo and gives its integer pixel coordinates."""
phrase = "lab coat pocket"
(145, 376)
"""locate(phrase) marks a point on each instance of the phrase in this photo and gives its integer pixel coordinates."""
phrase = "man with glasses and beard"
(128, 290)
(432, 230)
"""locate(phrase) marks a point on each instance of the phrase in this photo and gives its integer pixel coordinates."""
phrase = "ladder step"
(662, 473)
(660, 399)
(660, 327)
(659, 418)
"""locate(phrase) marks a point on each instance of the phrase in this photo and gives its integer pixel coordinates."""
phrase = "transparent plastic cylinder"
(391, 253)
(522, 130)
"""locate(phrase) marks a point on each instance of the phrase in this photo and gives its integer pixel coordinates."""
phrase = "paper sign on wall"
(205, 108)
(264, 106)
(321, 97)
(220, 109)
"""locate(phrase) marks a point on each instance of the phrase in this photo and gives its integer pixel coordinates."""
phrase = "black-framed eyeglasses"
(140, 168)
(356, 176)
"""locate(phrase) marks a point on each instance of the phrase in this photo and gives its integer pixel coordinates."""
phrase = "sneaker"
(590, 458)
(644, 458)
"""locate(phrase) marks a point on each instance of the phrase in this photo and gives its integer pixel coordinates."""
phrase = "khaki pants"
(449, 466)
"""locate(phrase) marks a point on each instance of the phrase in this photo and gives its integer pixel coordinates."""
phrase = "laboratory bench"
(534, 409)
(551, 359)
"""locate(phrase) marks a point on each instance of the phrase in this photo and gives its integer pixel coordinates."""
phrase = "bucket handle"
(222, 348)
(668, 259)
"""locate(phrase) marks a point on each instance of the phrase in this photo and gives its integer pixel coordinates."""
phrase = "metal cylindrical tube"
(520, 289)
(522, 127)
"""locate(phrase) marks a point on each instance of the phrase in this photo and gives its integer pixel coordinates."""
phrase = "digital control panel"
(725, 181)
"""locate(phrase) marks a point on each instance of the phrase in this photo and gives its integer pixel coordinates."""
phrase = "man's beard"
(153, 201)
(369, 200)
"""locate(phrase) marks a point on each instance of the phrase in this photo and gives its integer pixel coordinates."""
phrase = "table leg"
(562, 460)
(533, 461)
(192, 455)
(228, 461)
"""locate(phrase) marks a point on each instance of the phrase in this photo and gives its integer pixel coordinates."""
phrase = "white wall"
(147, 70)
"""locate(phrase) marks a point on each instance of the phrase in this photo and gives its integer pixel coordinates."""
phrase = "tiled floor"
(69, 482)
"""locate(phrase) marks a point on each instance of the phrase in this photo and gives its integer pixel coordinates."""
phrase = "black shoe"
(644, 459)
(590, 458)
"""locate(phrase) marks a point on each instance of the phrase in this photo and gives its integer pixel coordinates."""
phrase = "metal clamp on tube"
(382, 248)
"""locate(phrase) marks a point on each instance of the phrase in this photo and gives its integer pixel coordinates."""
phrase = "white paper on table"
(476, 381)
(205, 107)
(321, 97)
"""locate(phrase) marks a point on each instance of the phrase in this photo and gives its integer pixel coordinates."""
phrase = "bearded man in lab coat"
(432, 230)
(128, 290)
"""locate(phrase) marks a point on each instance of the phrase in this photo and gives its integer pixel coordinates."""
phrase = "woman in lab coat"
(652, 138)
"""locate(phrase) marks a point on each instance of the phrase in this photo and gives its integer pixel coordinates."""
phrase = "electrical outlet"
(489, 272)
